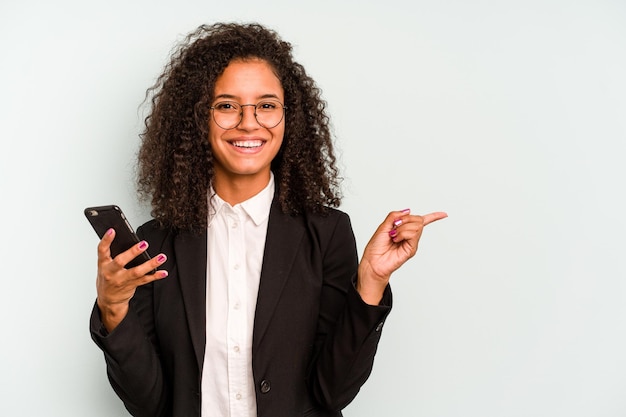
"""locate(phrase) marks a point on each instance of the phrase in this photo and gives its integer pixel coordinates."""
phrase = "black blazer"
(314, 339)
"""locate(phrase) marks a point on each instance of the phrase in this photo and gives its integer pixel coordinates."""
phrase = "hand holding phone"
(116, 285)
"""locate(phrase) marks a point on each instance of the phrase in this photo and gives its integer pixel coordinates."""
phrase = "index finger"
(432, 217)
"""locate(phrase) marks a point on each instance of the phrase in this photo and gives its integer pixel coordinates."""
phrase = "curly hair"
(175, 160)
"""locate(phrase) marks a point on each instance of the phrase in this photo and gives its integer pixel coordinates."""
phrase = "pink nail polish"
(406, 211)
(161, 259)
(393, 233)
(110, 232)
(143, 245)
(397, 223)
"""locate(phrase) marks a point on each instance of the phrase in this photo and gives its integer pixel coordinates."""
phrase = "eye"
(226, 106)
(268, 106)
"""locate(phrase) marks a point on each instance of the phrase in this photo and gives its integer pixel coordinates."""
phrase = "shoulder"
(154, 233)
(327, 220)
(150, 227)
(331, 228)
(330, 218)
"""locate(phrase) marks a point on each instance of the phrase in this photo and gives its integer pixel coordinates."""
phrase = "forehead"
(248, 79)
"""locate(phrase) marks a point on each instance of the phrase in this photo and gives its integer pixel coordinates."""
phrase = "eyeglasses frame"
(212, 108)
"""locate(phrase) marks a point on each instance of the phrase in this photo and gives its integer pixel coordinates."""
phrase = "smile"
(247, 144)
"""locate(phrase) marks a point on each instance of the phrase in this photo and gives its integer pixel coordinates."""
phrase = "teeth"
(248, 143)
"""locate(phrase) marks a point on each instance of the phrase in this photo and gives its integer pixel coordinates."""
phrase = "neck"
(240, 188)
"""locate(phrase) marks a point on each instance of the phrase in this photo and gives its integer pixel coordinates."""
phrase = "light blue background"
(509, 115)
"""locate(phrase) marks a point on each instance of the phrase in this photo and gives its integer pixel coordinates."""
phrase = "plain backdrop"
(509, 115)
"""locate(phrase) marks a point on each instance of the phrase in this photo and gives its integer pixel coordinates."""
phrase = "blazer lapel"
(284, 234)
(191, 253)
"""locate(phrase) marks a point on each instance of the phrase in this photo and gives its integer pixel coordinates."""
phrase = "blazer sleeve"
(348, 329)
(132, 358)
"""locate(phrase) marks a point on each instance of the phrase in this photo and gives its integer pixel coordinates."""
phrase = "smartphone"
(105, 217)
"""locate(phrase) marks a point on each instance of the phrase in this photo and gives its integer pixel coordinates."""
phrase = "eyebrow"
(232, 97)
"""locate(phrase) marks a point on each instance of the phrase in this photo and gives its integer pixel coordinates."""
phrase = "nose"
(248, 118)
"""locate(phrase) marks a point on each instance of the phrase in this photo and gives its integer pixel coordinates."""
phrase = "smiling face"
(243, 155)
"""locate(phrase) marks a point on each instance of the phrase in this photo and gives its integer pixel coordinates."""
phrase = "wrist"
(370, 286)
(112, 314)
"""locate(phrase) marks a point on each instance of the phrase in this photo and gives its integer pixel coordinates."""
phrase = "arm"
(355, 302)
(122, 325)
(348, 329)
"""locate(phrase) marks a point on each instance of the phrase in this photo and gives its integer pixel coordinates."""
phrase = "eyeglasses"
(228, 114)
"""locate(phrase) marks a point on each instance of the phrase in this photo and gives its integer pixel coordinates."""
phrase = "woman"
(259, 306)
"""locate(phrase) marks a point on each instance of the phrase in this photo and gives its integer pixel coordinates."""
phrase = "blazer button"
(265, 386)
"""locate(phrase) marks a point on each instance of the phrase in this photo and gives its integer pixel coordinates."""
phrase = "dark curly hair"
(175, 161)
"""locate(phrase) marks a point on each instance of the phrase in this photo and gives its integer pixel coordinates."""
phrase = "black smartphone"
(105, 217)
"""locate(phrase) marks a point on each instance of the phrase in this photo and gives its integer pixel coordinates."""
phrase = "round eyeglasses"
(228, 114)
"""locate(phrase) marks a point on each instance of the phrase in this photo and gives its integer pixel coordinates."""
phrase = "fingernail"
(161, 259)
(406, 211)
(393, 233)
(162, 273)
(397, 223)
(143, 245)
(110, 232)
